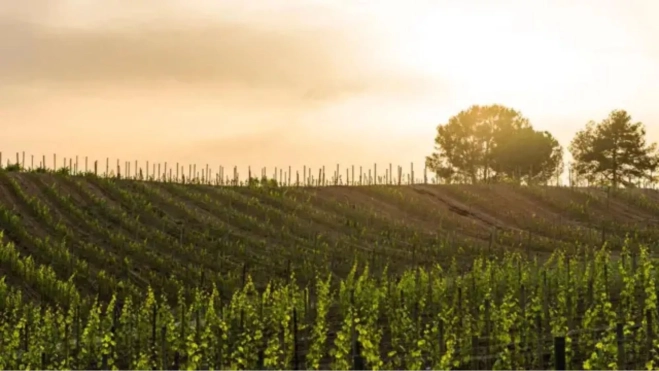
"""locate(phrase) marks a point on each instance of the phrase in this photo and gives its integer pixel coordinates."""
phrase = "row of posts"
(163, 173)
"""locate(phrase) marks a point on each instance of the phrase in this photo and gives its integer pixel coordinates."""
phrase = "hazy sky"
(294, 82)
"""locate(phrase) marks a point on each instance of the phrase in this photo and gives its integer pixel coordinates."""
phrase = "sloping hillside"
(99, 232)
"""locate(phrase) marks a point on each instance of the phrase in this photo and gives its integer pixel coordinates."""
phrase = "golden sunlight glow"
(506, 55)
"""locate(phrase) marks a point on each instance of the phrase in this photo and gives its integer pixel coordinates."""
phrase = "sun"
(487, 56)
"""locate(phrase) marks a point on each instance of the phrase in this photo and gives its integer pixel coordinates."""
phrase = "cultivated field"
(440, 276)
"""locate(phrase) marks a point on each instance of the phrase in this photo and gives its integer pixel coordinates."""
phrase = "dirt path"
(365, 201)
(457, 208)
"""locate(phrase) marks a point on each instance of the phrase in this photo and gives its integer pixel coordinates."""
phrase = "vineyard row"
(590, 312)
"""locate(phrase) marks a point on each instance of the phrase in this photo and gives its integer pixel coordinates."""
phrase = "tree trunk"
(487, 162)
(614, 166)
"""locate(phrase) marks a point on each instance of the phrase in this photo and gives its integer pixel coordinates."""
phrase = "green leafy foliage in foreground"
(502, 314)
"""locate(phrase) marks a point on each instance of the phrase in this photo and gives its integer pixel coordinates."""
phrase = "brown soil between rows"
(501, 206)
(506, 207)
(11, 202)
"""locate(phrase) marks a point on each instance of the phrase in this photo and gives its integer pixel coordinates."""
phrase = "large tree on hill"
(613, 151)
(487, 143)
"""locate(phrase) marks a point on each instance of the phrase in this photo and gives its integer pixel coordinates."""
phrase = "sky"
(309, 82)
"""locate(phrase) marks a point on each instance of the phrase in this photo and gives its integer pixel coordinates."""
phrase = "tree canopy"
(613, 151)
(492, 143)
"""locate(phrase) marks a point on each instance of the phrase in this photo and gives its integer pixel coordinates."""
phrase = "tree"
(492, 142)
(613, 151)
(529, 155)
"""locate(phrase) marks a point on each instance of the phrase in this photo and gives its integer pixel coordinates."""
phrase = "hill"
(246, 268)
(151, 233)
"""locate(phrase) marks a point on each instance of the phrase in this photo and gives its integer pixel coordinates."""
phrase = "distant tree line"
(487, 144)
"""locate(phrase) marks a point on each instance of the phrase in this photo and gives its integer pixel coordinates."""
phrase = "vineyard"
(105, 272)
